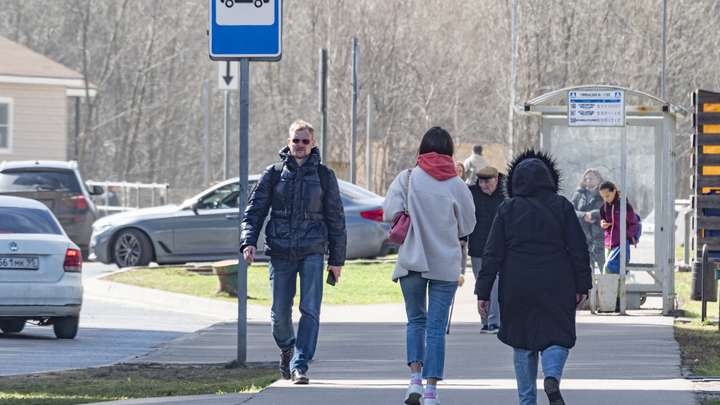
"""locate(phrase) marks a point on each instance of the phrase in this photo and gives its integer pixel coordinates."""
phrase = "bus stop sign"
(245, 29)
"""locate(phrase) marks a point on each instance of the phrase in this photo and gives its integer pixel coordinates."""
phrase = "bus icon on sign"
(257, 3)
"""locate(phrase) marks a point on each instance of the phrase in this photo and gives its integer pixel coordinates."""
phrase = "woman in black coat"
(537, 246)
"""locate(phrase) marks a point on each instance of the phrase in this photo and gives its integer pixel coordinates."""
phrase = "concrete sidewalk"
(360, 359)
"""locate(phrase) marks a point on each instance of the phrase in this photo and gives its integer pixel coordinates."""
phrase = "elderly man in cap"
(488, 195)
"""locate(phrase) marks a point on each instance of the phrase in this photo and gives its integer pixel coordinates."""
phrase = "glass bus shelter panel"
(578, 149)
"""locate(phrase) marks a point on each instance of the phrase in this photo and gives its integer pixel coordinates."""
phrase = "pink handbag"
(400, 227)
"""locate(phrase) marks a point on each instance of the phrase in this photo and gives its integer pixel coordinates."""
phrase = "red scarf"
(441, 167)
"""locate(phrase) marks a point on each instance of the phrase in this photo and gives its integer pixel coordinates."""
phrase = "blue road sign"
(245, 29)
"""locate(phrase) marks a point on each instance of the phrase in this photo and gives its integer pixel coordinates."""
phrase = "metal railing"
(126, 192)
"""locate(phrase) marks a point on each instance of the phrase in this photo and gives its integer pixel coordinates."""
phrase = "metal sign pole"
(226, 146)
(368, 142)
(206, 181)
(353, 110)
(242, 264)
(323, 104)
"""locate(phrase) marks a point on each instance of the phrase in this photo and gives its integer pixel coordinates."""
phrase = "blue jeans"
(283, 279)
(526, 368)
(433, 320)
(493, 317)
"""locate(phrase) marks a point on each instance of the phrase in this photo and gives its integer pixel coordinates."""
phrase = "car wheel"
(229, 3)
(132, 248)
(66, 327)
(14, 326)
(258, 3)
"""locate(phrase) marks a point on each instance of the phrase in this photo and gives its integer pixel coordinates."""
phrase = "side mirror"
(194, 206)
(96, 190)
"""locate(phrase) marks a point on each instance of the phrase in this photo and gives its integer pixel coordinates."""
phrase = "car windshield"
(27, 220)
(356, 193)
(38, 180)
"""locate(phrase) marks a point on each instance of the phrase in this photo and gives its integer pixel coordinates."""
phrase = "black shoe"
(285, 358)
(493, 329)
(484, 329)
(552, 389)
(299, 377)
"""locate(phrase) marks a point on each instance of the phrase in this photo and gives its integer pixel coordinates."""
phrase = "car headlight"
(101, 227)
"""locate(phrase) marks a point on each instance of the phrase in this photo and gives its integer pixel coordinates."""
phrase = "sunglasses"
(304, 141)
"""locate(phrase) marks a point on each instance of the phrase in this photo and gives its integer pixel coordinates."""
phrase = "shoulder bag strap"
(407, 192)
(550, 216)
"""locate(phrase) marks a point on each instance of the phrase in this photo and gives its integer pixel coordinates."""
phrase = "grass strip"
(700, 341)
(130, 381)
(360, 284)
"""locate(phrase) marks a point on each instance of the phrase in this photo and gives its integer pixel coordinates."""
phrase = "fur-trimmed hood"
(530, 172)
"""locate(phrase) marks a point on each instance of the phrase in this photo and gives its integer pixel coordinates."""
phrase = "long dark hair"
(436, 140)
(610, 186)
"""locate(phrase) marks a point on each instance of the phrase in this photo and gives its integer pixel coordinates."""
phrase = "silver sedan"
(205, 228)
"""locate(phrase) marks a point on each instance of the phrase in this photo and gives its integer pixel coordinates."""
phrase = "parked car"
(205, 228)
(40, 269)
(648, 223)
(58, 185)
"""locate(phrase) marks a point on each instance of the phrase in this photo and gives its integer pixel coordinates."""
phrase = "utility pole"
(322, 102)
(662, 75)
(368, 141)
(513, 48)
(353, 110)
(370, 118)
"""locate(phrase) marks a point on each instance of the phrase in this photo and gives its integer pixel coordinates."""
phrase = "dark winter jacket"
(304, 220)
(485, 209)
(585, 201)
(539, 272)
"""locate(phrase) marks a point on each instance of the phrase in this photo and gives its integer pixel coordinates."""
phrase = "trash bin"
(710, 282)
(607, 286)
(227, 272)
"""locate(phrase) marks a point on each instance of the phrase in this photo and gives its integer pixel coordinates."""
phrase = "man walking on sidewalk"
(487, 197)
(307, 221)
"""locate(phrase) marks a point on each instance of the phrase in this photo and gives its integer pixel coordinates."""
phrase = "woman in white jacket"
(441, 210)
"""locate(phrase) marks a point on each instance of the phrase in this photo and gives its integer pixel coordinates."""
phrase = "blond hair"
(301, 125)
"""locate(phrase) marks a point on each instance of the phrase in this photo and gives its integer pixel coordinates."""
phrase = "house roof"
(20, 64)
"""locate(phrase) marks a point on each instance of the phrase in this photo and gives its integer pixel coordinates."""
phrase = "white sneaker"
(430, 399)
(414, 393)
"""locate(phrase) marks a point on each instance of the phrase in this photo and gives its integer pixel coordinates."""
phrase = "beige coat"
(472, 164)
(440, 213)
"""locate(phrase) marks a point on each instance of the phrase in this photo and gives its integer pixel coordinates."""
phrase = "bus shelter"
(629, 137)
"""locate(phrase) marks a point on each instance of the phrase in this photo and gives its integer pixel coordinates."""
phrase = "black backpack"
(322, 172)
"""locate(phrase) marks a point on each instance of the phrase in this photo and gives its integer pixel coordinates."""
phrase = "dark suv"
(58, 185)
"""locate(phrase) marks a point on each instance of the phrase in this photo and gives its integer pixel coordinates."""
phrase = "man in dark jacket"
(307, 221)
(537, 246)
(487, 196)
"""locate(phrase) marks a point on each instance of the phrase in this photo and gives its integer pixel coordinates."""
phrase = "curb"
(171, 301)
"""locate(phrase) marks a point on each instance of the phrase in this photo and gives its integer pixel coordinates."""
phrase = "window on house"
(4, 125)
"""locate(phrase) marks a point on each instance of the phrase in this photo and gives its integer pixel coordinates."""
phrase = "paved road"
(109, 331)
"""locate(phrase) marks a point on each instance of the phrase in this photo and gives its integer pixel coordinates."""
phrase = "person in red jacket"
(610, 218)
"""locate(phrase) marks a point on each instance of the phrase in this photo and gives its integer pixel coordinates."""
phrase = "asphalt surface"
(110, 331)
(360, 359)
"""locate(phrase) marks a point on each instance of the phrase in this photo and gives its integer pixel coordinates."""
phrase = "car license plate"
(20, 263)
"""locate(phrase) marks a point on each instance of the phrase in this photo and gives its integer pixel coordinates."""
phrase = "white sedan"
(40, 270)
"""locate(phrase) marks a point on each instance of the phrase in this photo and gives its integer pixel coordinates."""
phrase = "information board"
(596, 108)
